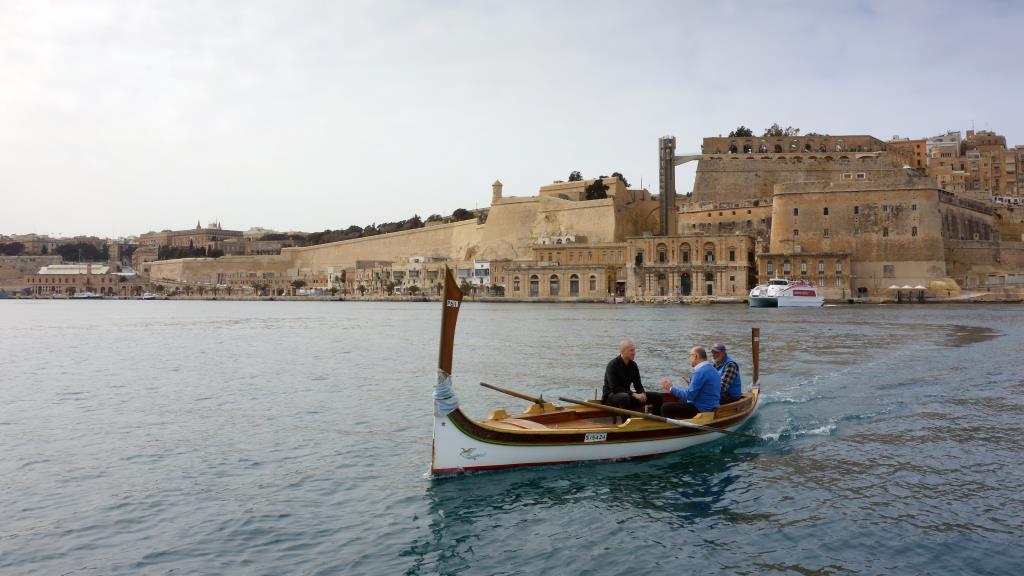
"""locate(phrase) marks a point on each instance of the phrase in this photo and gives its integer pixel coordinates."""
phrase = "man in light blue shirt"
(700, 394)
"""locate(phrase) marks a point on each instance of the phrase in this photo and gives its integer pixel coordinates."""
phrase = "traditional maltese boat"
(577, 431)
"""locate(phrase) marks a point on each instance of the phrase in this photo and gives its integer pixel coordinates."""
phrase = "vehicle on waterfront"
(153, 296)
(58, 296)
(555, 434)
(87, 296)
(783, 293)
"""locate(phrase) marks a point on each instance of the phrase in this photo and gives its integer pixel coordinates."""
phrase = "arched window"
(515, 284)
(685, 284)
(709, 253)
(771, 267)
(662, 253)
(763, 147)
(747, 148)
(558, 241)
(808, 147)
(534, 286)
(822, 148)
(709, 280)
(553, 285)
(684, 253)
(593, 283)
(778, 148)
(574, 285)
(732, 148)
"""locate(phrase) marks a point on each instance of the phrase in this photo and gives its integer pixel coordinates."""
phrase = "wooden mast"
(449, 316)
(755, 348)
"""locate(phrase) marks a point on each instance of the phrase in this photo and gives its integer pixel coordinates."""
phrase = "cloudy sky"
(117, 118)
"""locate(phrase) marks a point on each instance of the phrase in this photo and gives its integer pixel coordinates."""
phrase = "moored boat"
(783, 293)
(87, 296)
(547, 433)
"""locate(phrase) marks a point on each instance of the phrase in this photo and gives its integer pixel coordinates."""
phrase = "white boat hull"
(456, 451)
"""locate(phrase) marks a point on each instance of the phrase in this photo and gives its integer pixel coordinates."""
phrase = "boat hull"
(463, 445)
(756, 302)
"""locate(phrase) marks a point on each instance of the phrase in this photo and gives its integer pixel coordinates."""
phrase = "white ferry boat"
(780, 293)
(87, 296)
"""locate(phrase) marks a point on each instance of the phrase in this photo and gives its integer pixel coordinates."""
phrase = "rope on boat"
(445, 401)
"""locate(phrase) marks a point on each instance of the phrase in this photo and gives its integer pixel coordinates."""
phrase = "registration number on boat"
(596, 437)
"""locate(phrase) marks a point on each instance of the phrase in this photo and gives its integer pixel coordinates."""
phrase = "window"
(824, 211)
(593, 283)
(839, 267)
(732, 255)
(888, 270)
(709, 256)
(913, 207)
(803, 266)
(553, 285)
(885, 232)
(824, 233)
(913, 231)
(574, 285)
(796, 232)
(785, 267)
(856, 209)
(534, 286)
(861, 176)
(515, 284)
(821, 279)
(771, 267)
(886, 208)
(821, 266)
(796, 211)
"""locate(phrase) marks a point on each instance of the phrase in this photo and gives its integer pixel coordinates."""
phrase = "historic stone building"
(850, 213)
(690, 265)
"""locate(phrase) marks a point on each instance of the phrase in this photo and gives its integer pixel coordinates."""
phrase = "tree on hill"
(14, 248)
(575, 176)
(621, 177)
(776, 131)
(435, 218)
(741, 132)
(461, 214)
(596, 190)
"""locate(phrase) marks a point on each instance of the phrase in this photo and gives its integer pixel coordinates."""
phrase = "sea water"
(167, 437)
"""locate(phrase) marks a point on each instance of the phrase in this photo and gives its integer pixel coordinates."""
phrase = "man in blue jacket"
(700, 394)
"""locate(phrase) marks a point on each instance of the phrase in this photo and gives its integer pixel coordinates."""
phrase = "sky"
(121, 117)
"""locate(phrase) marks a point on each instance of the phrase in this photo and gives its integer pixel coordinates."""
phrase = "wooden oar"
(646, 416)
(537, 401)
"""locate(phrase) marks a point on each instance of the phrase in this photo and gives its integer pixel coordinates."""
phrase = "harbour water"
(293, 438)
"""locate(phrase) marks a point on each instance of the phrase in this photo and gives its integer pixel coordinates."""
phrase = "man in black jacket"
(622, 372)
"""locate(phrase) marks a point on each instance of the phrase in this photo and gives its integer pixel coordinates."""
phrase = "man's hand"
(641, 397)
(666, 384)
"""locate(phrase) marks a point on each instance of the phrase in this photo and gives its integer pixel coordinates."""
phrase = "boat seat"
(525, 424)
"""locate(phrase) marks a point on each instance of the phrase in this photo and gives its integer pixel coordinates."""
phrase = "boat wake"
(788, 432)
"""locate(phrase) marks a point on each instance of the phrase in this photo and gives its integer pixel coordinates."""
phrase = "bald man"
(621, 373)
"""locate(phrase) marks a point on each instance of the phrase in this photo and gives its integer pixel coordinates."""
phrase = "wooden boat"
(555, 434)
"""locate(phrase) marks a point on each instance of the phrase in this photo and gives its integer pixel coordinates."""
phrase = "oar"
(672, 421)
(537, 401)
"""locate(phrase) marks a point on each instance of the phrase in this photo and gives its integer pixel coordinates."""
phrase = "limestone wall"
(738, 178)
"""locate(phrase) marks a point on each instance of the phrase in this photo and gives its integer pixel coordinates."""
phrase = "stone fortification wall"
(892, 232)
(224, 270)
(453, 241)
(736, 179)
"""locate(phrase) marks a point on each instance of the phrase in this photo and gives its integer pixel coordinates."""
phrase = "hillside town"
(865, 220)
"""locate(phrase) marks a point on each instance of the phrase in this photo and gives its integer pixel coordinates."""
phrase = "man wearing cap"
(729, 372)
(700, 394)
